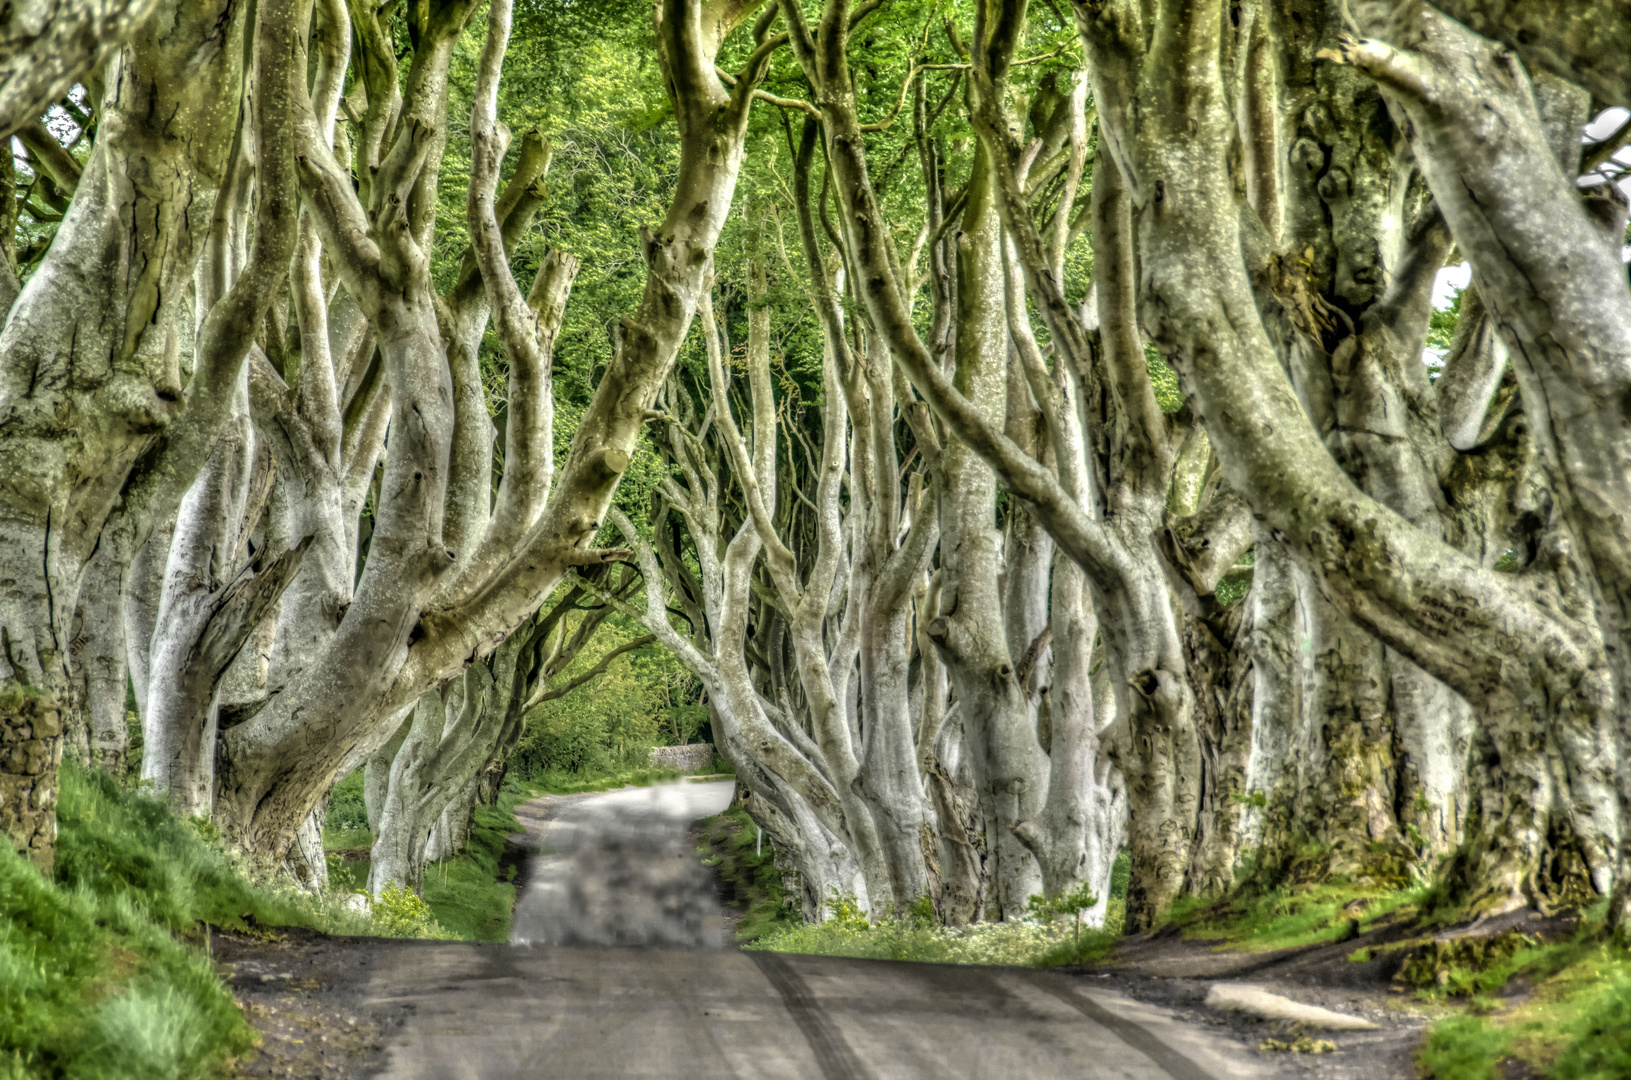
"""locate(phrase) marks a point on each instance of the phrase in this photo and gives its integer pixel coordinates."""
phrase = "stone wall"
(30, 756)
(698, 757)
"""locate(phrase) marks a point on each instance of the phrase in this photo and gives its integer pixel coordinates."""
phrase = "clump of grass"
(1463, 1048)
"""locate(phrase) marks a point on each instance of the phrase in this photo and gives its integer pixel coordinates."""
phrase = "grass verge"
(772, 924)
(104, 971)
(1519, 1005)
(1289, 918)
(556, 782)
(731, 845)
(469, 896)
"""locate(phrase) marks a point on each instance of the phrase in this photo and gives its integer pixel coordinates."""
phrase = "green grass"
(1029, 942)
(1288, 918)
(1567, 1016)
(1561, 1007)
(730, 844)
(103, 970)
(470, 895)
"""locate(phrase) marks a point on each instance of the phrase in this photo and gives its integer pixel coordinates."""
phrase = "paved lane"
(565, 1007)
(507, 1013)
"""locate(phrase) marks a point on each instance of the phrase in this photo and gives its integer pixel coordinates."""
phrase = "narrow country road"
(671, 1003)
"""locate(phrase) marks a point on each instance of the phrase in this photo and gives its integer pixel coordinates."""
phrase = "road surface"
(670, 1003)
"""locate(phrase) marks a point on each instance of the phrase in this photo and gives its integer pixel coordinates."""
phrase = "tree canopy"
(1028, 427)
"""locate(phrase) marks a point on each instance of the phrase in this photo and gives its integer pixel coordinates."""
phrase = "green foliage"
(1163, 379)
(403, 913)
(103, 972)
(346, 811)
(745, 864)
(1441, 324)
(1071, 904)
(609, 725)
(1463, 1048)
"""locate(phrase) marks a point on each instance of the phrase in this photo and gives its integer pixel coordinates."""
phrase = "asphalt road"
(670, 1003)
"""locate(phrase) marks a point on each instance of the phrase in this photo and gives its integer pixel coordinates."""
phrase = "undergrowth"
(746, 865)
(1559, 1009)
(1288, 918)
(1048, 938)
(468, 896)
(1562, 1008)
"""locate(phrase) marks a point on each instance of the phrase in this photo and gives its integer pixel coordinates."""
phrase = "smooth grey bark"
(102, 419)
(451, 736)
(1587, 43)
(1452, 617)
(46, 47)
(434, 617)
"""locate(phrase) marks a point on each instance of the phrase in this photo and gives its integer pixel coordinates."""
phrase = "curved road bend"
(617, 870)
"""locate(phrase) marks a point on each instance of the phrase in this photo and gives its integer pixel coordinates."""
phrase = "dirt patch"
(307, 995)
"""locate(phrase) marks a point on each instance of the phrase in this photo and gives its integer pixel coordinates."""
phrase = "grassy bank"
(731, 846)
(1561, 1008)
(1518, 1004)
(469, 895)
(104, 971)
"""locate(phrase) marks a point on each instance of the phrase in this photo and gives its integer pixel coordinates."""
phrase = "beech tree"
(1052, 464)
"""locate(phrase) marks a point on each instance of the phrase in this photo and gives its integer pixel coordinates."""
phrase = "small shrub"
(1071, 904)
(403, 913)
